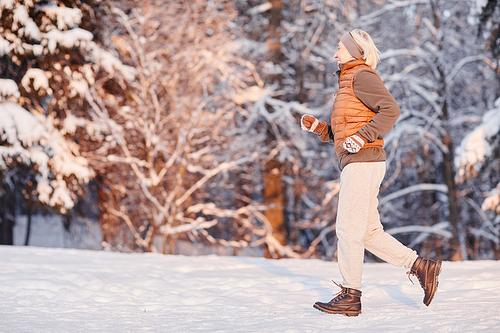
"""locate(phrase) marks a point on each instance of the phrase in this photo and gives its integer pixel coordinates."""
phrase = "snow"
(64, 162)
(8, 153)
(71, 123)
(94, 129)
(4, 46)
(110, 63)
(19, 124)
(69, 38)
(78, 88)
(38, 143)
(40, 80)
(20, 17)
(474, 148)
(43, 188)
(31, 30)
(475, 11)
(251, 94)
(7, 4)
(40, 158)
(7, 126)
(492, 201)
(70, 290)
(65, 17)
(61, 195)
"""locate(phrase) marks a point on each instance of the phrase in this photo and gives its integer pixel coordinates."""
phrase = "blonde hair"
(370, 51)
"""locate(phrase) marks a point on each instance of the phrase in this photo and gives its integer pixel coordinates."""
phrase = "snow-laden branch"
(492, 201)
(478, 209)
(223, 242)
(110, 63)
(118, 135)
(488, 235)
(220, 168)
(138, 51)
(474, 148)
(9, 87)
(21, 17)
(425, 232)
(68, 39)
(211, 209)
(315, 37)
(406, 125)
(407, 128)
(39, 78)
(373, 16)
(199, 223)
(260, 8)
(489, 230)
(464, 61)
(281, 109)
(392, 53)
(430, 121)
(280, 117)
(155, 178)
(428, 96)
(138, 239)
(438, 229)
(128, 160)
(412, 189)
(334, 187)
(64, 16)
(4, 46)
(312, 248)
(274, 244)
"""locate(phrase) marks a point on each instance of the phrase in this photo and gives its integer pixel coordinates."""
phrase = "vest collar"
(351, 64)
(348, 65)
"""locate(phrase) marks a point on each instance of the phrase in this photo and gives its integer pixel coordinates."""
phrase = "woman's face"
(342, 55)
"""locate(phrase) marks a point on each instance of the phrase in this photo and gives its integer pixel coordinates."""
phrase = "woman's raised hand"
(313, 125)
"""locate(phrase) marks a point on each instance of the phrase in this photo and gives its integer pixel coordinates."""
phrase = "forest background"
(178, 122)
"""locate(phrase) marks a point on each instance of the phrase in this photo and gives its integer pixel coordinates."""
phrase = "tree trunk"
(28, 228)
(453, 206)
(273, 42)
(6, 219)
(458, 250)
(273, 198)
(273, 192)
(6, 231)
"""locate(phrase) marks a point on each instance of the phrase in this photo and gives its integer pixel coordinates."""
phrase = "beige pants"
(359, 227)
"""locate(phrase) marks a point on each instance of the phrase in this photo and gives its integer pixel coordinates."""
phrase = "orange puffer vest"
(349, 114)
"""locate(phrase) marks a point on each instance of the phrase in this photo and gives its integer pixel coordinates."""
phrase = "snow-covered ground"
(70, 290)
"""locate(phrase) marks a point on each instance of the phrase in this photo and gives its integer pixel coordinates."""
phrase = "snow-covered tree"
(170, 162)
(43, 75)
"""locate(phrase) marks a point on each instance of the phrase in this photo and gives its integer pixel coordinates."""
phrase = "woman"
(363, 112)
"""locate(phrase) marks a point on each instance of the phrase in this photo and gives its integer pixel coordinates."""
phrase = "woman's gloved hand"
(354, 143)
(313, 125)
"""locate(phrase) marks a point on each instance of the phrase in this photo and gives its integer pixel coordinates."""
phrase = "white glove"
(353, 144)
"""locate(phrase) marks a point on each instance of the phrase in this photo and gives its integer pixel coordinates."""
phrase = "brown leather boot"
(347, 302)
(426, 271)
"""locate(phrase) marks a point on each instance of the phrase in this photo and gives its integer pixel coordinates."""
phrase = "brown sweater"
(370, 90)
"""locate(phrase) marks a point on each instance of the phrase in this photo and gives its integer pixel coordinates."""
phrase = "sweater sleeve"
(370, 90)
(327, 136)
